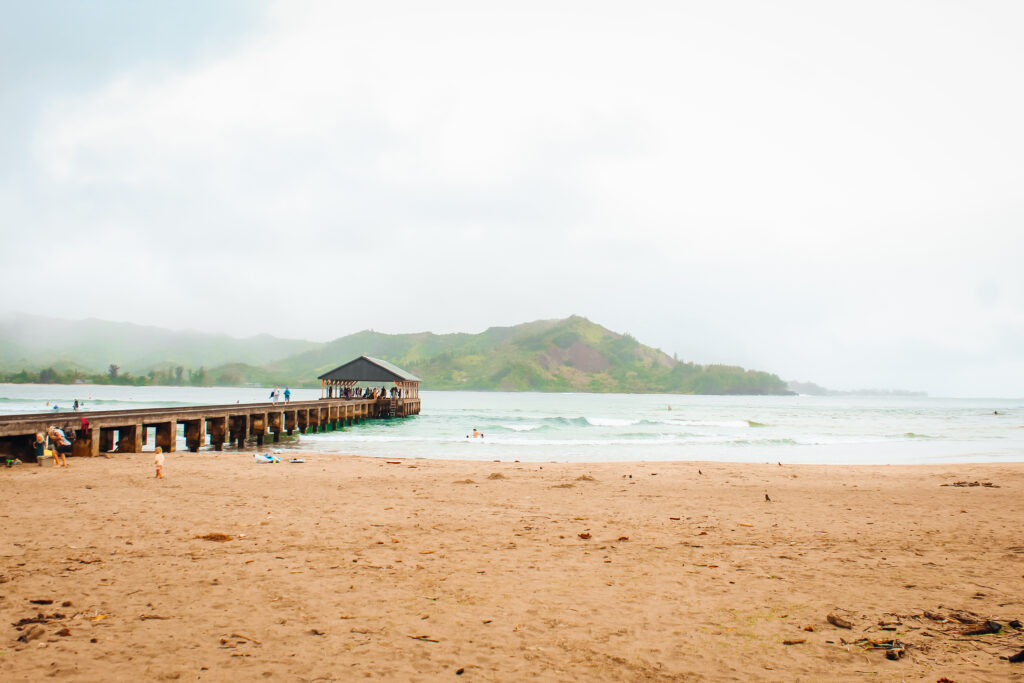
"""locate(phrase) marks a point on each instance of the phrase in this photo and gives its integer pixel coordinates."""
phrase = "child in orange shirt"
(159, 460)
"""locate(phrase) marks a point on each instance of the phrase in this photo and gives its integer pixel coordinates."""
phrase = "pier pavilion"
(368, 370)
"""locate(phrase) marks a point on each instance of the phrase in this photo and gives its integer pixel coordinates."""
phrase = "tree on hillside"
(113, 370)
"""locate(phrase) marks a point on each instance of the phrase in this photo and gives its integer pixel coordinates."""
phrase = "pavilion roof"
(368, 369)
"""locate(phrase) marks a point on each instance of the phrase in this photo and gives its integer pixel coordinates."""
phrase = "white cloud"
(749, 183)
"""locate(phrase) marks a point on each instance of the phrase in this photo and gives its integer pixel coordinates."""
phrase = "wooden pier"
(127, 431)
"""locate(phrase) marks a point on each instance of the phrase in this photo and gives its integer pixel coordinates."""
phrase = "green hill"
(548, 355)
(573, 354)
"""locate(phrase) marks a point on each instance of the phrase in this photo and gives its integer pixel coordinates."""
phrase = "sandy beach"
(346, 567)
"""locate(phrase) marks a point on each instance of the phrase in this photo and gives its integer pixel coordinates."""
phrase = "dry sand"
(347, 567)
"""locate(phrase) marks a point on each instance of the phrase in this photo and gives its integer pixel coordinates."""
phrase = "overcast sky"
(831, 191)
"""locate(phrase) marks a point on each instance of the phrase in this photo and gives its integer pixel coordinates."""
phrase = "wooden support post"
(289, 421)
(302, 419)
(167, 436)
(258, 427)
(276, 425)
(239, 428)
(129, 439)
(218, 428)
(86, 445)
(195, 434)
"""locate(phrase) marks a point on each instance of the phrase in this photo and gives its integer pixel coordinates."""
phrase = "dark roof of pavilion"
(367, 369)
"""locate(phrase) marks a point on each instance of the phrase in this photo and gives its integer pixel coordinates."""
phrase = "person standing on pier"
(287, 395)
(275, 395)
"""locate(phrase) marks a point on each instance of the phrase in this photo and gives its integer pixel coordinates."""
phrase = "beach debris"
(1016, 624)
(496, 475)
(297, 461)
(767, 499)
(147, 617)
(794, 641)
(895, 653)
(889, 623)
(41, 602)
(566, 485)
(965, 617)
(38, 619)
(967, 484)
(585, 535)
(585, 477)
(838, 621)
(64, 632)
(426, 639)
(66, 603)
(217, 537)
(623, 538)
(699, 472)
(809, 627)
(460, 671)
(35, 632)
(316, 632)
(393, 462)
(988, 628)
(1017, 658)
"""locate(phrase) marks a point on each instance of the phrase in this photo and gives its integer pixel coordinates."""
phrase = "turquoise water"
(618, 427)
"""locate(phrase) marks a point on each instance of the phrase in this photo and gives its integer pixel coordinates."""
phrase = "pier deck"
(127, 431)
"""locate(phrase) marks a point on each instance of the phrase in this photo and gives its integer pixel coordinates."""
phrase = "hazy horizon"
(7, 315)
(829, 192)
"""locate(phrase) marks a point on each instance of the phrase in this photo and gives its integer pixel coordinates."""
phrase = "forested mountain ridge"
(573, 354)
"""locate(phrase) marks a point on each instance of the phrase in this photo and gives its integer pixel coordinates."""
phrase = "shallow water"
(615, 427)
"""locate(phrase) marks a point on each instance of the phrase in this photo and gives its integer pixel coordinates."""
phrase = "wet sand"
(347, 567)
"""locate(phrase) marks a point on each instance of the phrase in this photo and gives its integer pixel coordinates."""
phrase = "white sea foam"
(520, 427)
(611, 422)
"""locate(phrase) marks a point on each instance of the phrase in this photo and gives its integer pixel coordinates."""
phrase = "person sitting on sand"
(158, 459)
(60, 446)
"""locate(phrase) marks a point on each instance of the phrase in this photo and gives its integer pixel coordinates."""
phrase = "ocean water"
(540, 427)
